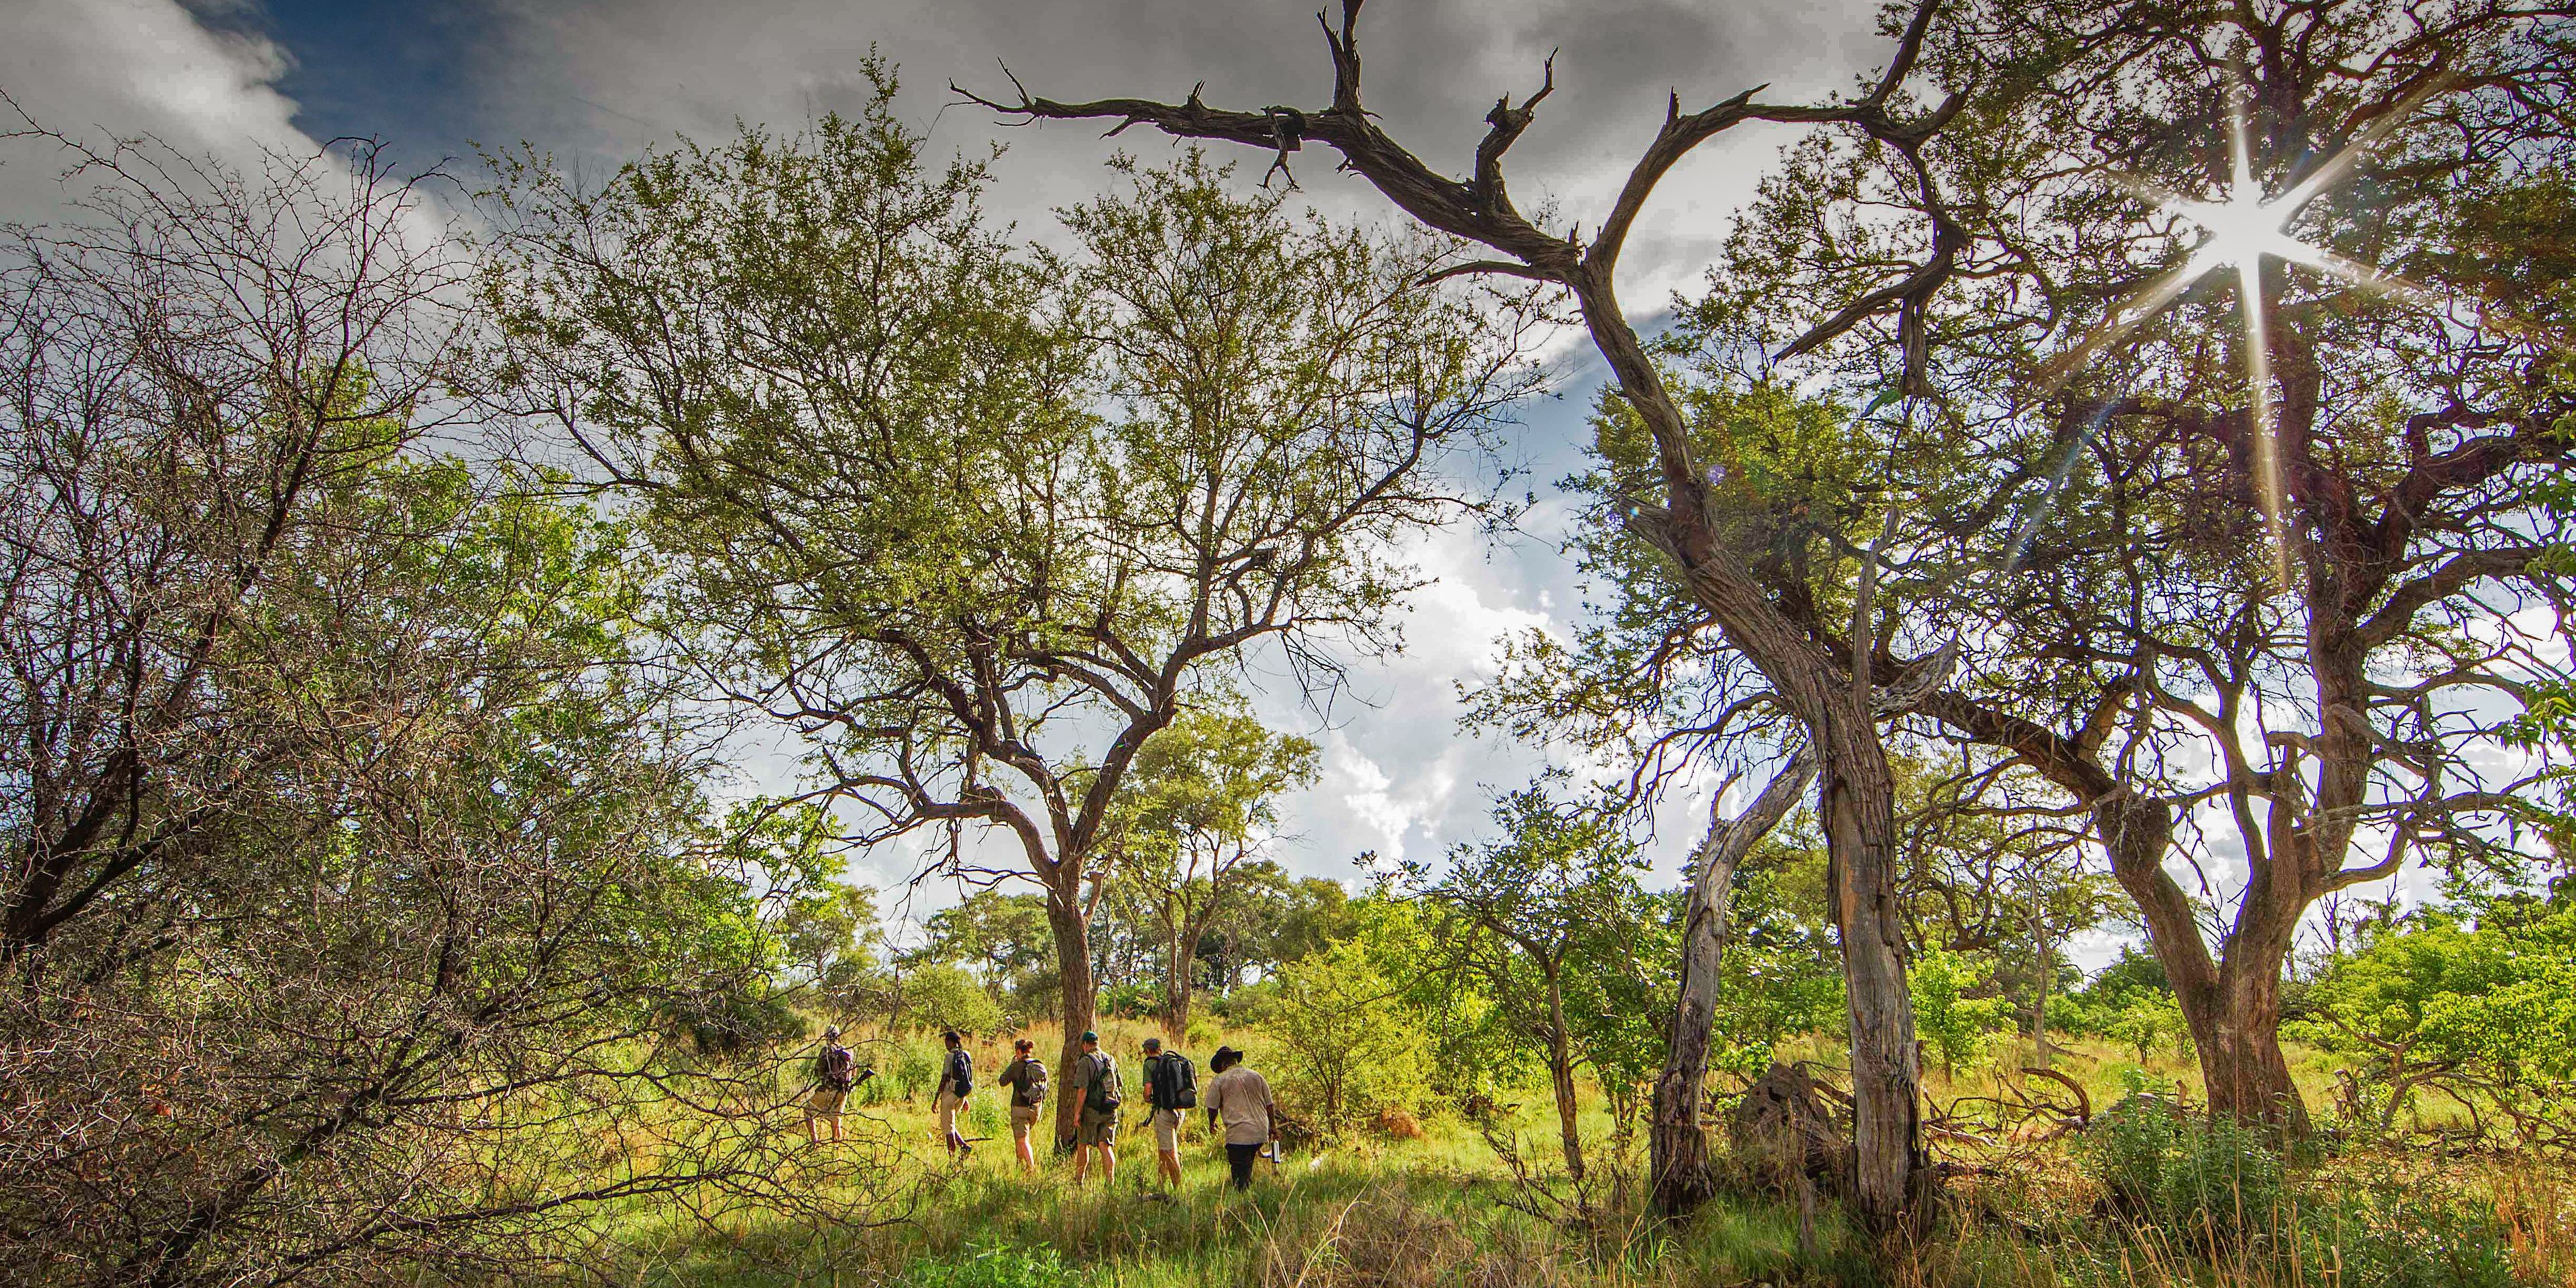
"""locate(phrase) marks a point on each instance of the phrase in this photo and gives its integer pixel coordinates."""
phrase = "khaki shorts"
(825, 1102)
(1023, 1118)
(949, 1104)
(1098, 1128)
(1167, 1130)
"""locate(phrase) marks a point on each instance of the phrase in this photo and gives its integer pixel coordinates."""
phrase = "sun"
(2242, 227)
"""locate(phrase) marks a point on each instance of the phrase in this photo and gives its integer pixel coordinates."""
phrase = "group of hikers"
(1237, 1101)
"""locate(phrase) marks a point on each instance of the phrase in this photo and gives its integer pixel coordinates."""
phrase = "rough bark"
(1176, 986)
(1859, 817)
(2041, 952)
(1077, 1012)
(1186, 927)
(1677, 1143)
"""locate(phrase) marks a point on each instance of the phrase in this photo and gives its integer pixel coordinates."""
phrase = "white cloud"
(96, 69)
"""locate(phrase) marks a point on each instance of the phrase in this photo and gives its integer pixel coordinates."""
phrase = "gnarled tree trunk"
(1677, 1142)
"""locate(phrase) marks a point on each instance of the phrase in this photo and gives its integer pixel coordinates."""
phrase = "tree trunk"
(1560, 1072)
(1183, 951)
(1860, 831)
(1183, 958)
(1677, 1143)
(2241, 1065)
(2233, 1008)
(1077, 1008)
(2039, 1006)
(1859, 791)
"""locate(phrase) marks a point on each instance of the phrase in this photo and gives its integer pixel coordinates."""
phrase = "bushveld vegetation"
(384, 600)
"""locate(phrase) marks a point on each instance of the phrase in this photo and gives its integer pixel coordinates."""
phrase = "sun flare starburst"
(2241, 228)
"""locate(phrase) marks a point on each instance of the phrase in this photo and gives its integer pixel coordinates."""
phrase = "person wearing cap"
(1096, 1088)
(1238, 1100)
(1026, 1076)
(956, 1081)
(1166, 1092)
(833, 1077)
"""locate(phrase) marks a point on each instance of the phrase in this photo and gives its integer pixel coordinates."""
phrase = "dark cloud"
(597, 81)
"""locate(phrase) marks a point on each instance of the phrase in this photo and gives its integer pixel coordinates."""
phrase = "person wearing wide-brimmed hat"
(1238, 1102)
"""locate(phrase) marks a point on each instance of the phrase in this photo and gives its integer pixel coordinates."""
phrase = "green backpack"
(1101, 1096)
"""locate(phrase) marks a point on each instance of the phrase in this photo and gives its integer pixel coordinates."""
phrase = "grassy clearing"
(1439, 1209)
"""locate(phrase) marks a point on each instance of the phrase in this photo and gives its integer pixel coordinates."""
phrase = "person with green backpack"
(1026, 1076)
(1095, 1080)
(1171, 1085)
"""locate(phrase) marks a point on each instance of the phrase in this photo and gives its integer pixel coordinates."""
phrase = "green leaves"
(2497, 996)
(978, 520)
(1955, 1023)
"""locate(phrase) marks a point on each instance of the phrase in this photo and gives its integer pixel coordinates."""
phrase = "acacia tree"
(979, 523)
(1761, 617)
(2279, 616)
(1202, 800)
(1526, 917)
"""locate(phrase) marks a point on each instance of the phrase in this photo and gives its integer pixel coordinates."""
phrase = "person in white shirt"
(1238, 1102)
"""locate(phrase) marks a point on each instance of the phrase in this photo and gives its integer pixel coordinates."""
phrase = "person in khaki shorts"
(1026, 1076)
(956, 1082)
(1171, 1086)
(1095, 1081)
(834, 1075)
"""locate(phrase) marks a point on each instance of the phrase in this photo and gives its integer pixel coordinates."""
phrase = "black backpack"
(961, 1071)
(1180, 1081)
(1102, 1095)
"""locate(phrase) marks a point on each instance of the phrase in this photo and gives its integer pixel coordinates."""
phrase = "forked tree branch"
(1480, 209)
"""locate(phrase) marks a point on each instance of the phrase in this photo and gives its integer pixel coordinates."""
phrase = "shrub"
(1131, 1000)
(2398, 1236)
(2195, 1177)
(1953, 1025)
(2147, 1020)
(992, 1266)
(1344, 1052)
(946, 997)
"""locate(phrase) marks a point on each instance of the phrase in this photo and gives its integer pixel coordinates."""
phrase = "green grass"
(1440, 1209)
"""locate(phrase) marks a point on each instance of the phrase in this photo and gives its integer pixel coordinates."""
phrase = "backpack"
(961, 1071)
(1178, 1081)
(832, 1068)
(1101, 1097)
(1029, 1091)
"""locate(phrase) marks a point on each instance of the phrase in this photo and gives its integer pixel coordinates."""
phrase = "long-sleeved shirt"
(1241, 1098)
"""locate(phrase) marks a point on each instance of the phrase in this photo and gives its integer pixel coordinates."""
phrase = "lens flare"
(2239, 230)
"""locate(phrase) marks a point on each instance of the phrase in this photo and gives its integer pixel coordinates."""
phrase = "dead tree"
(1787, 644)
(1676, 1143)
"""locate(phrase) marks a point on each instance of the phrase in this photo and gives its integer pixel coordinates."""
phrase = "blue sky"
(596, 81)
